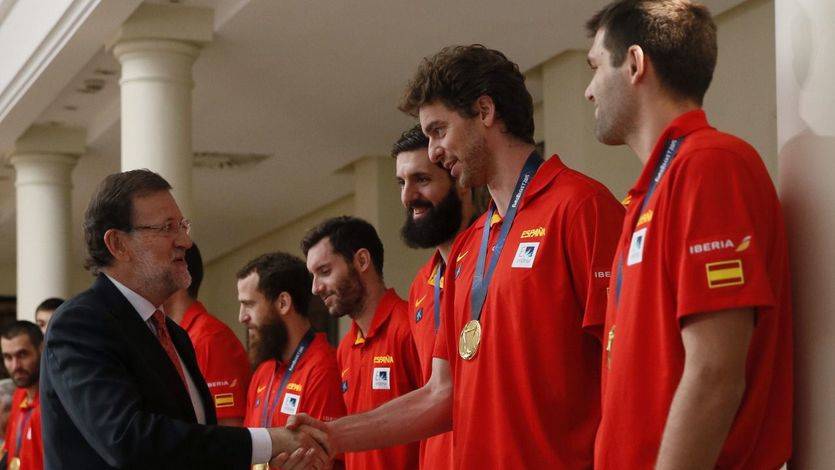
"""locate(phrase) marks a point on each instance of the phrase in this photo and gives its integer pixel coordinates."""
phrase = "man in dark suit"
(120, 383)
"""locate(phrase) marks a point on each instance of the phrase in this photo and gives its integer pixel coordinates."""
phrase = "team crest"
(419, 315)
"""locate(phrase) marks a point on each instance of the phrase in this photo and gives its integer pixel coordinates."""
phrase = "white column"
(805, 48)
(43, 160)
(157, 47)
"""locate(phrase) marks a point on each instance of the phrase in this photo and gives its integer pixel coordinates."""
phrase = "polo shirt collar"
(381, 316)
(681, 126)
(541, 180)
(143, 306)
(192, 312)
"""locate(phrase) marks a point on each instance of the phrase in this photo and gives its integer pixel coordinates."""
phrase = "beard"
(269, 340)
(28, 378)
(349, 294)
(475, 158)
(156, 279)
(438, 225)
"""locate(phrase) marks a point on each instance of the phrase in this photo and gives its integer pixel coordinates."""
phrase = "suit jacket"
(111, 397)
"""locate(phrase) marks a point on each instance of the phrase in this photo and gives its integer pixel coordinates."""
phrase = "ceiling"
(314, 84)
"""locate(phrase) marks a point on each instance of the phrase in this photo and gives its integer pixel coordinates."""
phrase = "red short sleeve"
(322, 398)
(593, 232)
(225, 366)
(716, 240)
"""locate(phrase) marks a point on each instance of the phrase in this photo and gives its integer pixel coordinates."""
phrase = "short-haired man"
(377, 357)
(517, 371)
(22, 343)
(698, 364)
(296, 367)
(120, 381)
(220, 355)
(44, 311)
(437, 209)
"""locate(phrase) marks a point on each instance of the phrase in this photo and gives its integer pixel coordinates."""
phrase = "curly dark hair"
(457, 76)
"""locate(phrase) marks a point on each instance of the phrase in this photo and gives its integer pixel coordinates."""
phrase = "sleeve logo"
(224, 400)
(724, 274)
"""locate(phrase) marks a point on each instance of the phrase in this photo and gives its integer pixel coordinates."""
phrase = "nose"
(436, 152)
(316, 287)
(408, 194)
(243, 317)
(588, 93)
(15, 364)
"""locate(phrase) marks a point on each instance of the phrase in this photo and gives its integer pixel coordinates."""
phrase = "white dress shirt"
(261, 443)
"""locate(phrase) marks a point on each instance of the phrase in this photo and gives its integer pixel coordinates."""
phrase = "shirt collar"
(142, 306)
(381, 315)
(681, 126)
(192, 312)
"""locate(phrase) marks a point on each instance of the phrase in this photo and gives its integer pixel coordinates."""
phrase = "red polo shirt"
(435, 452)
(25, 417)
(221, 358)
(711, 238)
(529, 398)
(376, 368)
(313, 388)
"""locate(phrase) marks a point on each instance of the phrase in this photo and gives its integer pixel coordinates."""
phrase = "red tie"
(165, 340)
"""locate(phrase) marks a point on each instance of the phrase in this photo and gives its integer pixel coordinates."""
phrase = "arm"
(417, 415)
(710, 391)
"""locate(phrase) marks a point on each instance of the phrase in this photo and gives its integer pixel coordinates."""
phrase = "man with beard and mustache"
(22, 343)
(120, 384)
(437, 208)
(698, 366)
(220, 355)
(296, 367)
(516, 366)
(377, 358)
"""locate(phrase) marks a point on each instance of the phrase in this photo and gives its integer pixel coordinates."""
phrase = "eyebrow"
(431, 126)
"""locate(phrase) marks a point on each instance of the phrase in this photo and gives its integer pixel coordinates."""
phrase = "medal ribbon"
(21, 426)
(269, 411)
(438, 275)
(481, 279)
(669, 153)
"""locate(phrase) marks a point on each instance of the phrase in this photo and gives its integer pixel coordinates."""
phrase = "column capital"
(50, 140)
(191, 25)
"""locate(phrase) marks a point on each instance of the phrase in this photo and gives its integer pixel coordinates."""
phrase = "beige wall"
(742, 100)
(219, 291)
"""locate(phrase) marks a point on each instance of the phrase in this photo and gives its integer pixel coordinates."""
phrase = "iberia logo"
(719, 245)
(533, 233)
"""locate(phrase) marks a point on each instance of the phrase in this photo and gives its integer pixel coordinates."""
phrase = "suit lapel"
(140, 334)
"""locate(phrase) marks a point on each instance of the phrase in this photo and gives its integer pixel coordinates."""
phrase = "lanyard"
(21, 426)
(481, 279)
(669, 153)
(438, 275)
(269, 411)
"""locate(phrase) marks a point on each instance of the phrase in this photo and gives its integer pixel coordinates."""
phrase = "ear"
(636, 62)
(486, 109)
(116, 244)
(362, 260)
(283, 303)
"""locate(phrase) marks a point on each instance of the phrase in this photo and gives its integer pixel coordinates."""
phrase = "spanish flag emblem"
(725, 273)
(224, 400)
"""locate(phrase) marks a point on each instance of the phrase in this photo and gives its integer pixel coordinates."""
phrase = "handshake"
(305, 443)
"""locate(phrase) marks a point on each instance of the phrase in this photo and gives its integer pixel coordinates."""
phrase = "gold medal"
(470, 339)
(14, 464)
(260, 466)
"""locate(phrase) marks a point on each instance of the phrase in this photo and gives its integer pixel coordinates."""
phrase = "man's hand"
(318, 430)
(289, 441)
(301, 459)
